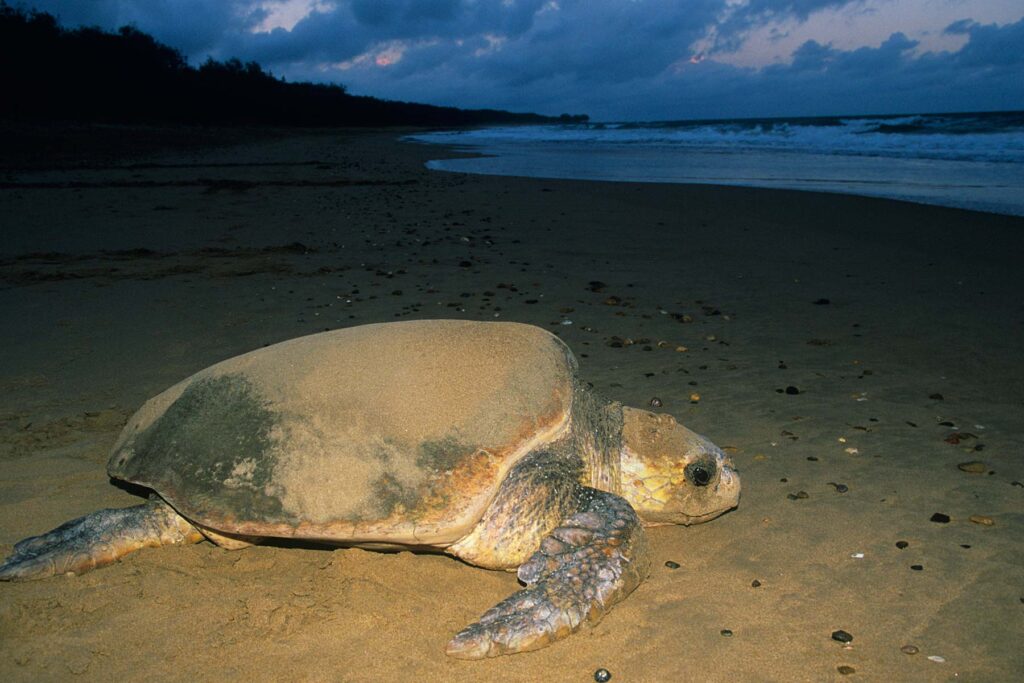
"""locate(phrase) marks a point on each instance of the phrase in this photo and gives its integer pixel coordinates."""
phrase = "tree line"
(51, 73)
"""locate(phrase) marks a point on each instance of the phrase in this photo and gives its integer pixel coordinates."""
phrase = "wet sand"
(848, 353)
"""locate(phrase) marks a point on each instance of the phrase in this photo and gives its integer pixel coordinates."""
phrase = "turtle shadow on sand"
(472, 439)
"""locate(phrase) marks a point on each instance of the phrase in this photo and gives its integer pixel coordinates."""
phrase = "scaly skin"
(593, 560)
(97, 539)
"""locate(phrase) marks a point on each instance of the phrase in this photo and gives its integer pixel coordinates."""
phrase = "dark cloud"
(390, 12)
(606, 42)
(990, 45)
(737, 21)
(195, 27)
(812, 56)
(349, 29)
(762, 10)
(892, 55)
(983, 75)
(615, 59)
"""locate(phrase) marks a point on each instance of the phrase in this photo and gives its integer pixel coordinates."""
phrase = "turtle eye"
(698, 473)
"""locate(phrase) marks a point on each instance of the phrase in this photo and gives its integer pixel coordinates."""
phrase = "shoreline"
(898, 324)
(980, 176)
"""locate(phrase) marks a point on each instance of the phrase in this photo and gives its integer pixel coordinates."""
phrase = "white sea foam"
(972, 161)
(883, 136)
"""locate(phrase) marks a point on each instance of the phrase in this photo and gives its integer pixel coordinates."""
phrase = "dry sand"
(900, 326)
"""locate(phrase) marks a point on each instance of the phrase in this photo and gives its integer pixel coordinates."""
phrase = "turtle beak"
(729, 485)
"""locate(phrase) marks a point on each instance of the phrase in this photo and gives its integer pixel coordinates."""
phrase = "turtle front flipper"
(593, 560)
(97, 539)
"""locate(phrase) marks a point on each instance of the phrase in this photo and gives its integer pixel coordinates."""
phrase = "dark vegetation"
(87, 75)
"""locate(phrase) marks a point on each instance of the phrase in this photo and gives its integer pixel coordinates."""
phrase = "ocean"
(972, 161)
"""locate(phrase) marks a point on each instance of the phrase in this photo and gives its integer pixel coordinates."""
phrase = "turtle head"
(671, 475)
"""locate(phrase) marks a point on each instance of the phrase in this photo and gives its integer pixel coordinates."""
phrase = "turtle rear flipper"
(97, 539)
(593, 560)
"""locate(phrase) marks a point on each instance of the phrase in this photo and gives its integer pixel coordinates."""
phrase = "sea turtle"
(472, 438)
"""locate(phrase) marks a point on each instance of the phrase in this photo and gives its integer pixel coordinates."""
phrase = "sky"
(615, 60)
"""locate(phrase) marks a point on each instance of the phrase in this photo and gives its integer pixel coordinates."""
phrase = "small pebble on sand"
(846, 670)
(984, 520)
(672, 565)
(938, 659)
(602, 675)
(656, 402)
(902, 544)
(910, 649)
(726, 632)
(974, 467)
(841, 636)
(939, 518)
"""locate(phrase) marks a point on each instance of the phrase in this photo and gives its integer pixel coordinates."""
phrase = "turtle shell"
(397, 433)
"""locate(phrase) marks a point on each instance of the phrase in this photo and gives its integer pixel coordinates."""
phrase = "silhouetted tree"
(49, 73)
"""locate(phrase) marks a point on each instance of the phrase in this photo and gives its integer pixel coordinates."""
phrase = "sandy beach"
(852, 355)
